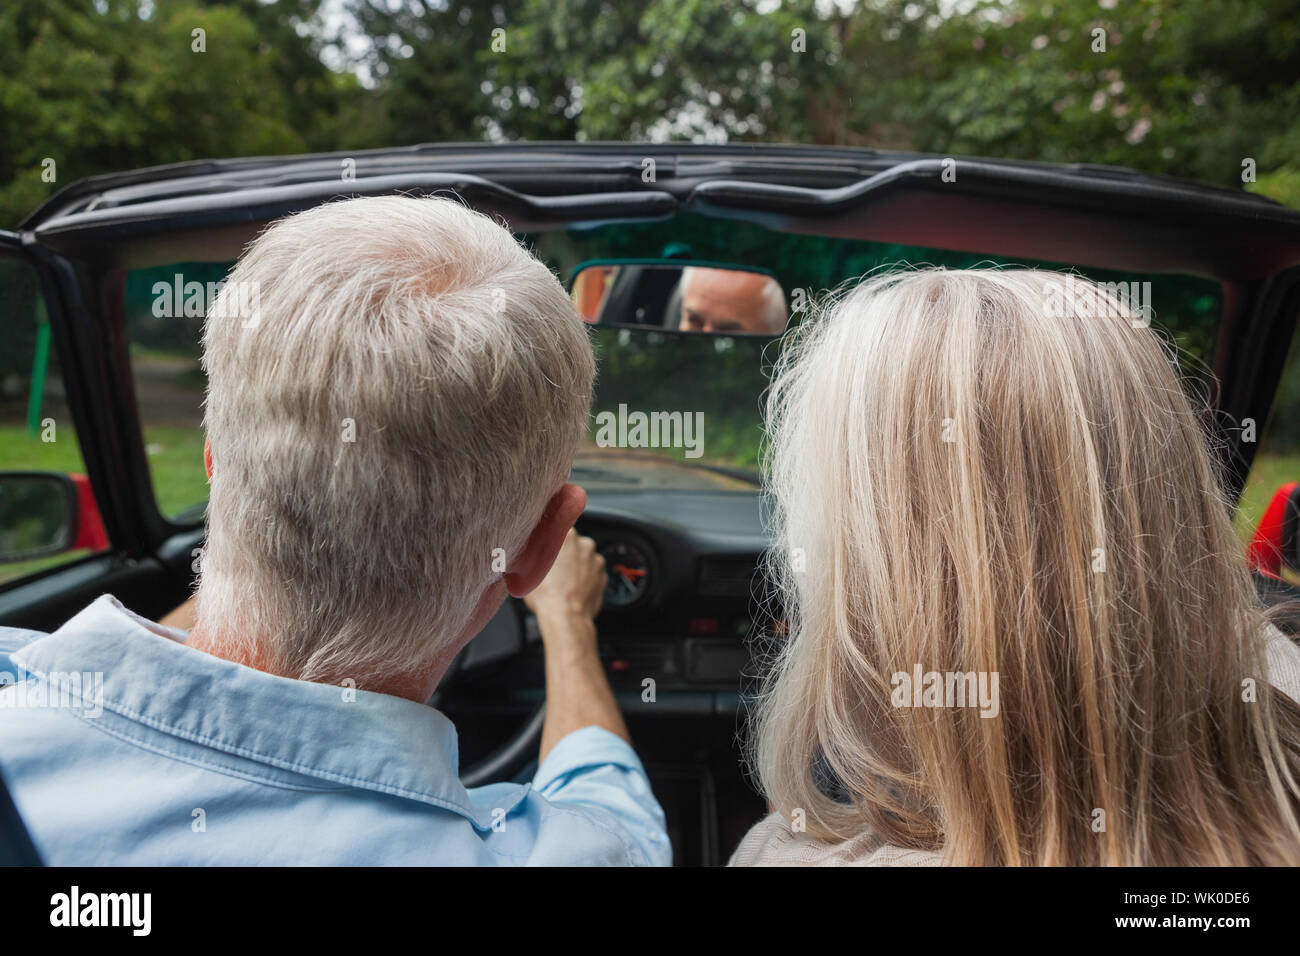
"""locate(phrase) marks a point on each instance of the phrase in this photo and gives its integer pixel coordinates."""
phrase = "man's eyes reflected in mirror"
(692, 322)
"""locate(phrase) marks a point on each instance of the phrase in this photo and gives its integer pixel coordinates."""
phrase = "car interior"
(687, 618)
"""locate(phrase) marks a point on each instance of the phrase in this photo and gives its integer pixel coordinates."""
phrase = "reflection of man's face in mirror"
(727, 301)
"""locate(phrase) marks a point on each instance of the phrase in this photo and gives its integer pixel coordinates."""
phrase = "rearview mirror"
(38, 515)
(676, 296)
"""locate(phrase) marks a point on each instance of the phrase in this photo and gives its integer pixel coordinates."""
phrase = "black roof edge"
(264, 204)
(1040, 182)
(91, 186)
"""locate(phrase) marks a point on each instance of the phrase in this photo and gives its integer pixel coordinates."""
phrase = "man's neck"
(417, 686)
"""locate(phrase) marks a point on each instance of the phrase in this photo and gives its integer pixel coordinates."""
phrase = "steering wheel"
(504, 636)
(511, 757)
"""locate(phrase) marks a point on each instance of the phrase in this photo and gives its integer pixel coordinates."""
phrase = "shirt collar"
(353, 737)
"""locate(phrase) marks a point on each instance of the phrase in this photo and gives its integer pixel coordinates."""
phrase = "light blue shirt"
(122, 746)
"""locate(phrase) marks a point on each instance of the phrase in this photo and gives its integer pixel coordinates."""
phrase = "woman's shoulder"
(1283, 662)
(773, 842)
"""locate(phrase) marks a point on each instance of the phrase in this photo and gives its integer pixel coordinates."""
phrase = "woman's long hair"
(996, 474)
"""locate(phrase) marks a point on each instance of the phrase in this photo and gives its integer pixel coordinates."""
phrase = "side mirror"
(676, 296)
(45, 513)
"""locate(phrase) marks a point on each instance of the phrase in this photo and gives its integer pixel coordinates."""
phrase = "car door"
(57, 401)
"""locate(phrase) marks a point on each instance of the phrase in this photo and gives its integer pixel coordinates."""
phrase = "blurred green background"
(1186, 87)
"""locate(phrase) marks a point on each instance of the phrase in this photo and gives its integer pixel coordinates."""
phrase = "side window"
(165, 307)
(47, 514)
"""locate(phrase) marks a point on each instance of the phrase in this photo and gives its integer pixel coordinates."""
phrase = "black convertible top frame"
(1091, 216)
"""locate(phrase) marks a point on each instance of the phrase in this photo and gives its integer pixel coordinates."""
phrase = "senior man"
(388, 442)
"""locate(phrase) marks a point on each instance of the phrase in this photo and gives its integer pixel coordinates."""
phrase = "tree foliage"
(1191, 88)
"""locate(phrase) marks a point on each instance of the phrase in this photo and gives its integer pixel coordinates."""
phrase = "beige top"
(771, 842)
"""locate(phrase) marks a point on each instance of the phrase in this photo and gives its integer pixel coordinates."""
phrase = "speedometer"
(628, 571)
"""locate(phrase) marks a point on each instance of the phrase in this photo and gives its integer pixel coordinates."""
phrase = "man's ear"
(535, 560)
(207, 457)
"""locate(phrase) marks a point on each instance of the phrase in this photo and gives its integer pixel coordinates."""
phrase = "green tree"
(121, 84)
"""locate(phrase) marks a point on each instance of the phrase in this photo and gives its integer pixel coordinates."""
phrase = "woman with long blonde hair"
(1019, 627)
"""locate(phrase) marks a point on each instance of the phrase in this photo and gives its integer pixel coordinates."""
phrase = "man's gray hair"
(409, 395)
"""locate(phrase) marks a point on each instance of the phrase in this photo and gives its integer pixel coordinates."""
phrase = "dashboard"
(683, 599)
(709, 547)
(684, 586)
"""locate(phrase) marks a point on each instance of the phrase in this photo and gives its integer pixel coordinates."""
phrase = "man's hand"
(566, 603)
(575, 586)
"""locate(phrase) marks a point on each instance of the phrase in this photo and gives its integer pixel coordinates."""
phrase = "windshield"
(670, 410)
(676, 411)
(685, 411)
